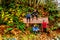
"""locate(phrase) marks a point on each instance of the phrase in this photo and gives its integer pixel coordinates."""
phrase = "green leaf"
(51, 18)
(12, 5)
(9, 29)
(1, 21)
(9, 24)
(1, 8)
(21, 26)
(55, 28)
(58, 15)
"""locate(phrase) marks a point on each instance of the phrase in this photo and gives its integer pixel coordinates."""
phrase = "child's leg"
(36, 17)
(45, 30)
(27, 19)
(32, 17)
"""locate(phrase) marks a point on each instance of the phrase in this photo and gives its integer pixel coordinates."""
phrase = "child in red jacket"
(44, 26)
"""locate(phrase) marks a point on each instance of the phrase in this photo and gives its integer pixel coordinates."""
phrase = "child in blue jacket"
(28, 17)
(35, 29)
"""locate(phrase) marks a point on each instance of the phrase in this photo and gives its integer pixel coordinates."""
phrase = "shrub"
(21, 26)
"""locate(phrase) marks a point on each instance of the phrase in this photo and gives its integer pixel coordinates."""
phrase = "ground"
(39, 36)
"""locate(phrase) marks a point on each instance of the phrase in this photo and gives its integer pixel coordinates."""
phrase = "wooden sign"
(40, 20)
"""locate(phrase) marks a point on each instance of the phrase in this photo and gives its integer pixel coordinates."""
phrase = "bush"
(21, 26)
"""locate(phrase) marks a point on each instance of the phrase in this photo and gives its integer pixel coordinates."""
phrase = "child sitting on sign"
(35, 29)
(35, 14)
(28, 17)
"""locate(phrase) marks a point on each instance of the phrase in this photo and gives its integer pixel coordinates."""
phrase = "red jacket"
(44, 24)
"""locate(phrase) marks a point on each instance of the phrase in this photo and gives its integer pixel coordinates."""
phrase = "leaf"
(51, 18)
(0, 37)
(10, 24)
(21, 26)
(58, 24)
(12, 5)
(23, 1)
(58, 15)
(1, 8)
(9, 29)
(15, 20)
(1, 21)
(54, 28)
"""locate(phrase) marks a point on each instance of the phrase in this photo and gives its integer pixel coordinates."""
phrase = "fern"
(21, 26)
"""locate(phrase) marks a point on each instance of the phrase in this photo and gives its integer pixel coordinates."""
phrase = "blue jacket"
(35, 28)
(28, 15)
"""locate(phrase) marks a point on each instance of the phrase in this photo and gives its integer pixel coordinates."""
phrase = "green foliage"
(1, 8)
(30, 29)
(58, 15)
(50, 7)
(10, 39)
(5, 38)
(51, 18)
(15, 18)
(54, 28)
(12, 5)
(10, 14)
(21, 26)
(53, 12)
(26, 9)
(23, 1)
(9, 29)
(1, 21)
(9, 24)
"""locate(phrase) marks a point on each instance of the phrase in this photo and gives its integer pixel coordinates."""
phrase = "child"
(34, 14)
(28, 17)
(35, 29)
(44, 26)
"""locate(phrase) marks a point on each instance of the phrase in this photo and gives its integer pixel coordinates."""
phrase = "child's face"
(43, 20)
(35, 10)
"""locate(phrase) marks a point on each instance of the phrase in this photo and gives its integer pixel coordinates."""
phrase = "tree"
(0, 1)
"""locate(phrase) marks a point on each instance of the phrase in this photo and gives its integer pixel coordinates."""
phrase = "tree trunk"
(34, 3)
(38, 2)
(0, 1)
(30, 2)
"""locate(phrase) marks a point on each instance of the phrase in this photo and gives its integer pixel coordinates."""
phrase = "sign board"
(40, 20)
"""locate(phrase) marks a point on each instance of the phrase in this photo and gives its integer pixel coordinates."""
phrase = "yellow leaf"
(6, 19)
(0, 37)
